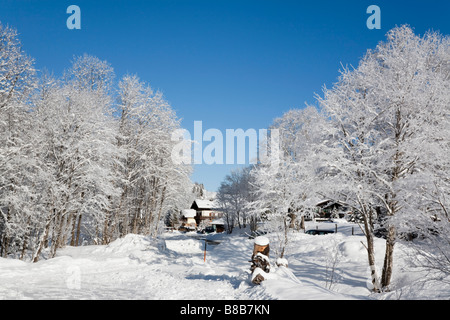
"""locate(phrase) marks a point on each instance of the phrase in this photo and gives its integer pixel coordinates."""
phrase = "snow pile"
(185, 246)
(282, 284)
(129, 243)
(259, 272)
(282, 262)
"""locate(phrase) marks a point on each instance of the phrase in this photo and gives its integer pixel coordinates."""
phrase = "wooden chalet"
(206, 210)
(328, 209)
(202, 213)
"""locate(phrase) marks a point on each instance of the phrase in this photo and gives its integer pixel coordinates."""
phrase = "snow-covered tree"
(79, 161)
(388, 118)
(289, 190)
(77, 152)
(90, 73)
(17, 72)
(233, 195)
(151, 183)
(18, 169)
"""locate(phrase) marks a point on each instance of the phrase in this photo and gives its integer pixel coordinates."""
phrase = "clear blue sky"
(231, 64)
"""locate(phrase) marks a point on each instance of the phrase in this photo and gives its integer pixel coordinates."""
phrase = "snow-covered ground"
(137, 267)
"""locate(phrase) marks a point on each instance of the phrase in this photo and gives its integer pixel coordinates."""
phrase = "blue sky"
(231, 64)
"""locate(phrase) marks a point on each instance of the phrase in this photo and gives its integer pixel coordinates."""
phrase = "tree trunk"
(57, 239)
(293, 220)
(163, 195)
(26, 239)
(5, 246)
(77, 240)
(42, 240)
(367, 218)
(371, 258)
(106, 236)
(388, 258)
(72, 239)
(5, 240)
(286, 237)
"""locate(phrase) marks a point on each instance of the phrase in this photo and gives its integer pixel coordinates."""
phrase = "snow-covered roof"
(189, 213)
(218, 221)
(329, 202)
(323, 202)
(205, 204)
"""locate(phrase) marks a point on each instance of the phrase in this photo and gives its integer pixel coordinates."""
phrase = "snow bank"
(282, 284)
(131, 242)
(352, 248)
(4, 262)
(185, 245)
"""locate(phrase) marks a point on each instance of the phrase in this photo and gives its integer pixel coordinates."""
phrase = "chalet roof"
(329, 202)
(204, 204)
(189, 213)
(323, 202)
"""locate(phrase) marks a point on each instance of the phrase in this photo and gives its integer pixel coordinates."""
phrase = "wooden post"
(264, 249)
(335, 228)
(204, 254)
(260, 259)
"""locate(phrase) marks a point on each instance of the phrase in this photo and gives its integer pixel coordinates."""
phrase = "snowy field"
(136, 267)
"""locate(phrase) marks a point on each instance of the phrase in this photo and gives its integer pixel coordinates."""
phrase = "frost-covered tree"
(77, 152)
(17, 72)
(150, 182)
(388, 117)
(90, 73)
(289, 190)
(233, 195)
(378, 143)
(18, 169)
(303, 139)
(79, 161)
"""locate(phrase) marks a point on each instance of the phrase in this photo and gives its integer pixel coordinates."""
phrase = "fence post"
(260, 259)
